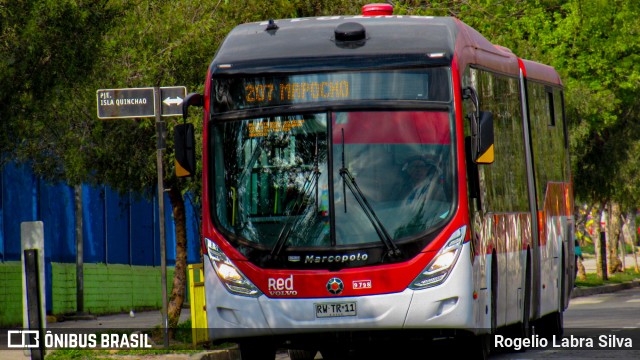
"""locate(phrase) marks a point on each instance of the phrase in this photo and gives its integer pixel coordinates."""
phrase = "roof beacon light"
(377, 9)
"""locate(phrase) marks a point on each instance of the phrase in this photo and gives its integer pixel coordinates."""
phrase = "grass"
(593, 280)
(588, 249)
(103, 354)
(181, 343)
(86, 354)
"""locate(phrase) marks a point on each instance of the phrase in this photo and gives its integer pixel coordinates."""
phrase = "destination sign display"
(296, 91)
(248, 93)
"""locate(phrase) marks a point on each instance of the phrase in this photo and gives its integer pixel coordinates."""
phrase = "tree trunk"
(613, 236)
(630, 236)
(635, 255)
(597, 243)
(180, 275)
(582, 274)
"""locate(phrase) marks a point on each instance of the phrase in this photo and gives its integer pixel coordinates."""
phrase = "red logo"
(281, 286)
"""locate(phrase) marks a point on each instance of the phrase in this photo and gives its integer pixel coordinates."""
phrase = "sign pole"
(161, 133)
(147, 102)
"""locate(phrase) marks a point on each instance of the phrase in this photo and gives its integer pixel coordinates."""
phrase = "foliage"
(50, 77)
(48, 48)
(594, 45)
(55, 54)
(597, 55)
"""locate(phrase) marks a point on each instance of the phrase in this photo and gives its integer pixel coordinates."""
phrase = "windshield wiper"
(392, 248)
(350, 181)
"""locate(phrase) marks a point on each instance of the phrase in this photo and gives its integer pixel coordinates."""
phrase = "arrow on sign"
(169, 101)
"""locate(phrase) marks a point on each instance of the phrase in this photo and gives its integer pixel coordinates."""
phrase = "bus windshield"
(331, 179)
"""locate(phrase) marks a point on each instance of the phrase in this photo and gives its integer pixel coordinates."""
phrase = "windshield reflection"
(273, 187)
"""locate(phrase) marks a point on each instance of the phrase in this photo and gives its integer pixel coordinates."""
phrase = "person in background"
(422, 178)
(578, 253)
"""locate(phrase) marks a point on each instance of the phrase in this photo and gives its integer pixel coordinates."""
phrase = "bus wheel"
(494, 295)
(334, 353)
(296, 354)
(551, 325)
(473, 347)
(485, 341)
(482, 346)
(257, 350)
(558, 324)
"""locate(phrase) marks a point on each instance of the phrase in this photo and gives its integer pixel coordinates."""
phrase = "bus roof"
(310, 45)
(540, 72)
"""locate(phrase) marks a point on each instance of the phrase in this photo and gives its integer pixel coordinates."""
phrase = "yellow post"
(199, 331)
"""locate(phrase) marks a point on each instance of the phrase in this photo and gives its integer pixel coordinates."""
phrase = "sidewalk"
(589, 263)
(141, 320)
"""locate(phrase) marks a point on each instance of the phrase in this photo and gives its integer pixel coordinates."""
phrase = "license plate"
(335, 309)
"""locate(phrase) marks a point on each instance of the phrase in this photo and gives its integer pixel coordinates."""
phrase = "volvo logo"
(335, 286)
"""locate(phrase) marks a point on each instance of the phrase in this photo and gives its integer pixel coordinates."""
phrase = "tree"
(597, 54)
(52, 79)
(39, 71)
(598, 43)
(53, 76)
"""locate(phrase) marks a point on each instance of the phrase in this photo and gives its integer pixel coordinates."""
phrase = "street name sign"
(139, 102)
(126, 103)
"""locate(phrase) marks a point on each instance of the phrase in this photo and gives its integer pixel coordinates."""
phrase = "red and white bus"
(314, 235)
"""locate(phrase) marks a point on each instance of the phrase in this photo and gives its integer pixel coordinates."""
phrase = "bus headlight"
(229, 274)
(439, 268)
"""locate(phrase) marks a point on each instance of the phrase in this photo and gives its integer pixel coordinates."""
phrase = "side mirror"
(184, 139)
(184, 142)
(481, 129)
(484, 139)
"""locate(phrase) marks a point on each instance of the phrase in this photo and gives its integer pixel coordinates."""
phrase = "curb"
(228, 354)
(587, 291)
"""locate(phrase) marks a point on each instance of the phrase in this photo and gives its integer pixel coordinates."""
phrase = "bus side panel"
(511, 235)
(502, 225)
(553, 239)
(482, 286)
(551, 170)
(515, 270)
